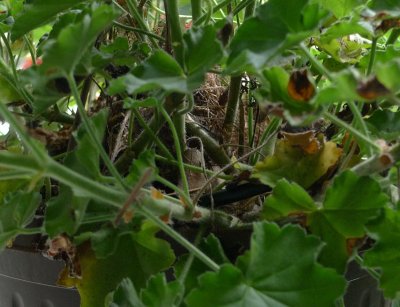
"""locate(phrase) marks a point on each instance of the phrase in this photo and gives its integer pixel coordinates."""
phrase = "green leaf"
(86, 158)
(346, 27)
(274, 28)
(159, 293)
(125, 295)
(105, 241)
(159, 71)
(385, 254)
(349, 204)
(64, 212)
(287, 198)
(343, 88)
(139, 255)
(385, 124)
(64, 53)
(16, 212)
(385, 72)
(145, 160)
(202, 52)
(211, 246)
(149, 102)
(39, 13)
(273, 274)
(392, 6)
(341, 8)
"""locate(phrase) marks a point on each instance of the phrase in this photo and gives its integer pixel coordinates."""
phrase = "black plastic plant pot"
(28, 279)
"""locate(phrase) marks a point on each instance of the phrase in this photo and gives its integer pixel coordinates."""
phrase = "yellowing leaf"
(293, 162)
(139, 255)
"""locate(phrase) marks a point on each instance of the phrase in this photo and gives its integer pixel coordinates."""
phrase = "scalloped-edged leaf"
(385, 254)
(63, 53)
(64, 212)
(385, 124)
(287, 198)
(279, 270)
(341, 8)
(125, 295)
(273, 28)
(211, 246)
(349, 204)
(38, 13)
(138, 256)
(159, 71)
(16, 212)
(385, 72)
(160, 293)
(202, 52)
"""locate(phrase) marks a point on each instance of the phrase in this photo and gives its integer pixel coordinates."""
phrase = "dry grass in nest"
(209, 111)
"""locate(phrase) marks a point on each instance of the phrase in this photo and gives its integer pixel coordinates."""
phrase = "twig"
(133, 195)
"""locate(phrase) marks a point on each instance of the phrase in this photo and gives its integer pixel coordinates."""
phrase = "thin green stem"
(372, 55)
(132, 6)
(10, 54)
(193, 168)
(176, 189)
(353, 131)
(231, 107)
(180, 239)
(175, 30)
(91, 132)
(15, 174)
(37, 151)
(30, 231)
(393, 36)
(151, 133)
(360, 122)
(138, 30)
(317, 64)
(177, 144)
(221, 5)
(196, 9)
(31, 49)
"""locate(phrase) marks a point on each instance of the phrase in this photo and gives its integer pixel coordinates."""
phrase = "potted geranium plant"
(221, 153)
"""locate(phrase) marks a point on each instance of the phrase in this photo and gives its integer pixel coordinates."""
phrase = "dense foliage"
(260, 136)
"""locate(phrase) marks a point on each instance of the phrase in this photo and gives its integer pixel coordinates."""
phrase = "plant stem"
(221, 5)
(372, 55)
(10, 55)
(355, 132)
(91, 132)
(156, 140)
(139, 30)
(393, 37)
(193, 168)
(177, 144)
(175, 29)
(176, 189)
(231, 108)
(132, 6)
(196, 9)
(180, 239)
(360, 121)
(379, 162)
(30, 231)
(38, 152)
(317, 64)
